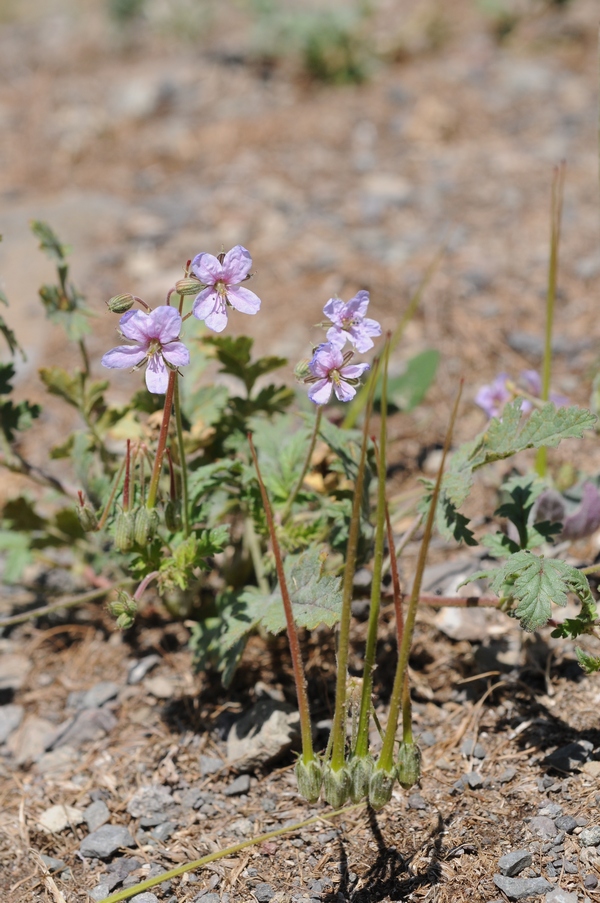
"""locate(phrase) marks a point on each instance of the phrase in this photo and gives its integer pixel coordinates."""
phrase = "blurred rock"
(57, 818)
(262, 734)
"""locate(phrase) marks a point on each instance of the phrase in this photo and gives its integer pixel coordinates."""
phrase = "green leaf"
(17, 554)
(9, 335)
(499, 544)
(49, 242)
(22, 516)
(67, 522)
(589, 663)
(74, 322)
(535, 583)
(7, 372)
(282, 449)
(17, 417)
(408, 390)
(66, 385)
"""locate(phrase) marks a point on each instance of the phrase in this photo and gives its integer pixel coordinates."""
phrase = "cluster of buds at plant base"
(310, 777)
(124, 609)
(409, 765)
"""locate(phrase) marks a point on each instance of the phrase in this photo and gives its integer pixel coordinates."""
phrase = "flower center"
(221, 288)
(154, 347)
(335, 376)
(349, 322)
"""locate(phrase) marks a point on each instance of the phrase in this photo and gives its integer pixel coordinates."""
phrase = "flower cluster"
(156, 332)
(330, 370)
(493, 397)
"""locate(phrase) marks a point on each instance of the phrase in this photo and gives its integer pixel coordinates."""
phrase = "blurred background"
(346, 144)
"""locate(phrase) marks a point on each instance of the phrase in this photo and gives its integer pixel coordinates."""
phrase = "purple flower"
(222, 276)
(532, 382)
(156, 337)
(332, 370)
(349, 322)
(492, 398)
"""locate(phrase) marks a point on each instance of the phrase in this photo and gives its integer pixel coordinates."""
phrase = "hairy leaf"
(15, 547)
(408, 390)
(589, 663)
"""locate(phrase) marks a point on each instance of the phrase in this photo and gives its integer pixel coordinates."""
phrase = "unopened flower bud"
(120, 304)
(302, 370)
(87, 518)
(380, 787)
(146, 522)
(361, 769)
(124, 531)
(173, 516)
(124, 609)
(336, 785)
(310, 778)
(188, 286)
(409, 765)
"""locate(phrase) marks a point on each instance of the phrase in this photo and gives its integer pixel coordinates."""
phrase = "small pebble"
(566, 823)
(263, 892)
(473, 779)
(590, 837)
(105, 841)
(96, 815)
(427, 738)
(560, 895)
(514, 862)
(590, 882)
(520, 888)
(163, 831)
(553, 810)
(565, 865)
(240, 785)
(52, 864)
(139, 669)
(209, 765)
(542, 826)
(416, 801)
(99, 892)
(146, 897)
(507, 775)
(207, 898)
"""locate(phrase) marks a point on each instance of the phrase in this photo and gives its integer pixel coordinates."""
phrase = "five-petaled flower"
(493, 397)
(349, 322)
(221, 277)
(332, 371)
(156, 337)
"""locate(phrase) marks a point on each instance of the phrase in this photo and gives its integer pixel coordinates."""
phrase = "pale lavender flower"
(222, 276)
(532, 382)
(349, 322)
(493, 397)
(332, 371)
(156, 336)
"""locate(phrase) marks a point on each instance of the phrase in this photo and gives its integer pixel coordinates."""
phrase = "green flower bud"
(188, 286)
(336, 785)
(87, 518)
(361, 769)
(146, 522)
(124, 531)
(380, 787)
(173, 515)
(302, 370)
(310, 778)
(120, 304)
(124, 609)
(409, 765)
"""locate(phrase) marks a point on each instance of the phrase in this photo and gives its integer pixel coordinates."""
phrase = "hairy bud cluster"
(309, 777)
(409, 765)
(124, 609)
(361, 769)
(336, 785)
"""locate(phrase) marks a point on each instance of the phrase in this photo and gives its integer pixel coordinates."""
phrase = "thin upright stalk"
(185, 508)
(113, 492)
(555, 222)
(362, 743)
(162, 441)
(339, 717)
(303, 707)
(387, 752)
(313, 441)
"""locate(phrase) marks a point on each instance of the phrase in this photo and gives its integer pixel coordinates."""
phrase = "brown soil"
(142, 148)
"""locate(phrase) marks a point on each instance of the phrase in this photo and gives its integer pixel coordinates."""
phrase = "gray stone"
(14, 669)
(520, 888)
(566, 823)
(473, 780)
(207, 898)
(58, 817)
(138, 669)
(560, 895)
(240, 785)
(52, 864)
(264, 733)
(570, 757)
(471, 748)
(163, 831)
(192, 798)
(28, 743)
(96, 815)
(105, 841)
(416, 801)
(150, 800)
(58, 761)
(590, 837)
(514, 862)
(263, 892)
(507, 775)
(87, 726)
(100, 693)
(590, 882)
(10, 718)
(553, 810)
(427, 738)
(542, 826)
(146, 897)
(99, 892)
(209, 765)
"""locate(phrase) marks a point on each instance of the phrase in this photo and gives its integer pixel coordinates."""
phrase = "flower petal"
(334, 310)
(217, 320)
(357, 306)
(157, 377)
(360, 339)
(243, 300)
(354, 371)
(176, 353)
(326, 357)
(207, 268)
(320, 392)
(124, 357)
(166, 323)
(137, 326)
(337, 336)
(344, 391)
(236, 266)
(206, 303)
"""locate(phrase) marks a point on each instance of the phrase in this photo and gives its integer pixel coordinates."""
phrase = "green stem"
(338, 728)
(182, 460)
(111, 498)
(65, 602)
(303, 706)
(407, 732)
(221, 854)
(555, 220)
(313, 441)
(162, 441)
(385, 762)
(255, 550)
(362, 743)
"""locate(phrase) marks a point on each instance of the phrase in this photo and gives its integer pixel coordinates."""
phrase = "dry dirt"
(142, 147)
